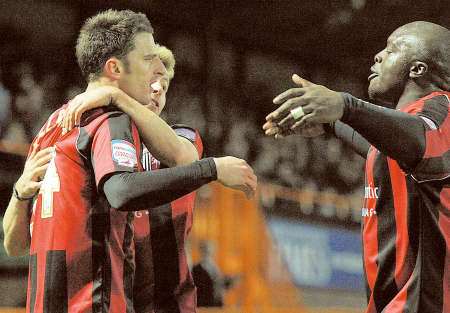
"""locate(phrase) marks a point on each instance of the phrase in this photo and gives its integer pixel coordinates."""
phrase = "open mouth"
(155, 103)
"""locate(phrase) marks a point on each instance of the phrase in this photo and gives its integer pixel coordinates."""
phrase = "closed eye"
(150, 57)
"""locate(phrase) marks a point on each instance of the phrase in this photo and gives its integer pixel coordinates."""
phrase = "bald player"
(406, 213)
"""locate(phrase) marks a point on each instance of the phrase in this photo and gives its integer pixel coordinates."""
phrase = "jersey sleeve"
(435, 163)
(190, 134)
(115, 147)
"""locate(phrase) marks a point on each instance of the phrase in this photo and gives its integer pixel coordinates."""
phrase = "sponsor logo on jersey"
(365, 212)
(371, 192)
(123, 153)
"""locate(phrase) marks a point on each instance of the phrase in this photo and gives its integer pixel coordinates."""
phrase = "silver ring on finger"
(297, 113)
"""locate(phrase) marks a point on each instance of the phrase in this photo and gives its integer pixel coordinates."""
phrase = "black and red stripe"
(407, 242)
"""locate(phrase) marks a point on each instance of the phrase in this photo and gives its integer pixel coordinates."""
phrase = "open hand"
(318, 105)
(36, 165)
(308, 130)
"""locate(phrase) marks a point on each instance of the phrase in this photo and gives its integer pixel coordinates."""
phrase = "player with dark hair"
(81, 250)
(406, 214)
(163, 280)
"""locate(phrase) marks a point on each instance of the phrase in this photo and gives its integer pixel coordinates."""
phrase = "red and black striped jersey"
(163, 281)
(406, 221)
(82, 253)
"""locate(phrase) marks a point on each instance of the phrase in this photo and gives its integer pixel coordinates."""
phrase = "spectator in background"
(29, 102)
(210, 282)
(5, 107)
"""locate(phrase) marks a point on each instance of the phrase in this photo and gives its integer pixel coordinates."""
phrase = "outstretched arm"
(397, 134)
(114, 153)
(350, 137)
(131, 191)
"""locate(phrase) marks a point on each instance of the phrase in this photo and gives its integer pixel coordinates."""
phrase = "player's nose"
(157, 88)
(378, 57)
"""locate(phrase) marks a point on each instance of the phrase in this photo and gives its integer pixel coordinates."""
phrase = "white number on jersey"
(50, 184)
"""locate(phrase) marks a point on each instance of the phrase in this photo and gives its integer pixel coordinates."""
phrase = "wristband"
(18, 197)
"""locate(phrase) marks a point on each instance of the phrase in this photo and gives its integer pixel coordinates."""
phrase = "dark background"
(232, 57)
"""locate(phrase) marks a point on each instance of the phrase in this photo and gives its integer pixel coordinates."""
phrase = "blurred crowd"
(28, 101)
(322, 164)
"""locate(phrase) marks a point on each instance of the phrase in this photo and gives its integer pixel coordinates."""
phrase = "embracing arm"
(165, 145)
(16, 220)
(16, 224)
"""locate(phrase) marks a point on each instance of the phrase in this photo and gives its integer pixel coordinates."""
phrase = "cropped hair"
(108, 34)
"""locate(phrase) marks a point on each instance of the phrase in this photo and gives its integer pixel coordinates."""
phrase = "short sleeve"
(190, 134)
(115, 147)
(435, 163)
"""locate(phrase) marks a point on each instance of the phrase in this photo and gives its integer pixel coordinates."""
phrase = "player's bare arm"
(165, 145)
(16, 219)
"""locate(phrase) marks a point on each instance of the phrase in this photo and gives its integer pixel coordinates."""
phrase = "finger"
(295, 126)
(269, 124)
(251, 170)
(285, 108)
(44, 152)
(39, 172)
(307, 119)
(70, 119)
(301, 81)
(272, 131)
(78, 114)
(70, 111)
(35, 186)
(33, 152)
(43, 160)
(253, 182)
(288, 94)
(286, 121)
(249, 193)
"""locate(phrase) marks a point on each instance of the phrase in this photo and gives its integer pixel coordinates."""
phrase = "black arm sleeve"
(350, 137)
(140, 190)
(396, 134)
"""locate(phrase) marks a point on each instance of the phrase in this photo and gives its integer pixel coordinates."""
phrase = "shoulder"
(186, 131)
(100, 115)
(434, 107)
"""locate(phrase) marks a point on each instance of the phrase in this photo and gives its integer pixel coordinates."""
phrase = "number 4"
(50, 184)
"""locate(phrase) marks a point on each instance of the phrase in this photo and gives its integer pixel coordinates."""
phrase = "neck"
(413, 92)
(101, 82)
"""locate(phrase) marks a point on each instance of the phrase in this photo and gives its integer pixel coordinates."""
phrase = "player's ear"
(418, 69)
(113, 68)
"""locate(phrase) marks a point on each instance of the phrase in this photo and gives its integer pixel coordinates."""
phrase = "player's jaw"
(387, 79)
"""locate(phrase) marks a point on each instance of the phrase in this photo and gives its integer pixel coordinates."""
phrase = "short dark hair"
(107, 34)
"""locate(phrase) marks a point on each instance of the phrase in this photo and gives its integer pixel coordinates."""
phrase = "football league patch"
(123, 153)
